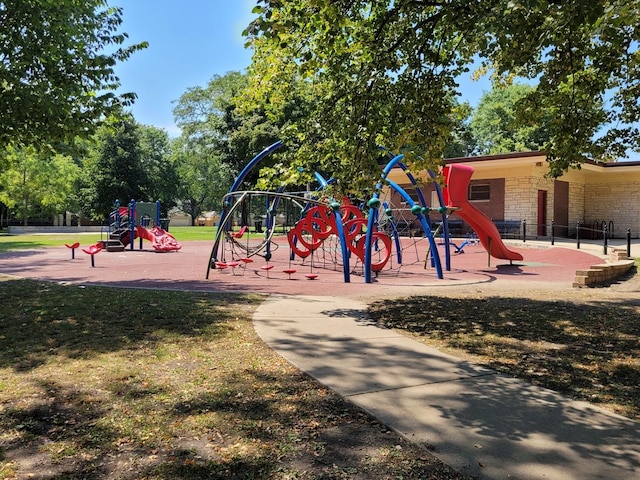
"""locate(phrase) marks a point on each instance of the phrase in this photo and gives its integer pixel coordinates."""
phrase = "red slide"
(457, 177)
(160, 239)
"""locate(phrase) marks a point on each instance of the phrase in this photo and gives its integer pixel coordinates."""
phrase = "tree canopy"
(220, 129)
(496, 127)
(57, 77)
(33, 183)
(114, 169)
(385, 72)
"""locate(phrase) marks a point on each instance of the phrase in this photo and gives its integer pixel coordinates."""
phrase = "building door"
(561, 208)
(542, 213)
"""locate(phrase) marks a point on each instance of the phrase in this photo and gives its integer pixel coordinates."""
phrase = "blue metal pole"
(335, 207)
(373, 205)
(132, 222)
(417, 211)
(445, 223)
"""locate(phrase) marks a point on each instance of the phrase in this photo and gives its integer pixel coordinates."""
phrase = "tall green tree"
(205, 159)
(383, 72)
(220, 136)
(114, 169)
(204, 179)
(496, 127)
(462, 142)
(211, 121)
(128, 161)
(35, 182)
(584, 56)
(57, 77)
(158, 162)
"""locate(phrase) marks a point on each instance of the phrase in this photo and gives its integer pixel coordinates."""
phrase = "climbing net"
(324, 228)
(326, 235)
(401, 224)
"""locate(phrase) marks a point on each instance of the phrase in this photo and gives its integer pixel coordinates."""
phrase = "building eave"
(519, 158)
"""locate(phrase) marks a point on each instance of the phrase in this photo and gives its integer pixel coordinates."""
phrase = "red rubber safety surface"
(186, 269)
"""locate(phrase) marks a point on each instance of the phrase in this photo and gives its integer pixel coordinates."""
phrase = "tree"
(204, 179)
(211, 121)
(114, 169)
(496, 127)
(128, 161)
(219, 138)
(383, 72)
(57, 61)
(36, 182)
(205, 159)
(462, 142)
(585, 57)
(158, 163)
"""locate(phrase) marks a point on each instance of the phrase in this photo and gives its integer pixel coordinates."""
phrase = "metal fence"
(603, 231)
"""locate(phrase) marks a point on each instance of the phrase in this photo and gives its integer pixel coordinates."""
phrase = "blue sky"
(190, 42)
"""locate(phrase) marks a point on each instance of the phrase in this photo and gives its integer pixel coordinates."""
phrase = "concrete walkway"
(478, 421)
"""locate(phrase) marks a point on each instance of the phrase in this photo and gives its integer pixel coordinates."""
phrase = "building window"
(480, 191)
(413, 194)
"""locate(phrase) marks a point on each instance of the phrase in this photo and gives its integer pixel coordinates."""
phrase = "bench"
(508, 228)
(455, 228)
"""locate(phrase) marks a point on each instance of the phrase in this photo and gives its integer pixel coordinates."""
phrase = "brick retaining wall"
(618, 265)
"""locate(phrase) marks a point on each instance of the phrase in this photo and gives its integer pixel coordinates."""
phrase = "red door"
(542, 213)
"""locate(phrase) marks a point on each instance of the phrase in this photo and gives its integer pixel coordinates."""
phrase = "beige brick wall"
(618, 203)
(517, 199)
(521, 198)
(602, 197)
(576, 205)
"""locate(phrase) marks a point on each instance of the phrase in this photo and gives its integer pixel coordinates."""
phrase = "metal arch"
(236, 184)
(238, 201)
(425, 227)
(445, 223)
(368, 246)
(397, 160)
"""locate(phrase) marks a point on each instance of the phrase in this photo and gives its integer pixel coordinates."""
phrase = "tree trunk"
(25, 210)
(25, 198)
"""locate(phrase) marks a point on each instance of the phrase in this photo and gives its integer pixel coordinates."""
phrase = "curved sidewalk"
(478, 421)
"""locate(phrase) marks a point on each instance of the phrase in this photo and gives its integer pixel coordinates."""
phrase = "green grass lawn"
(124, 383)
(17, 242)
(22, 241)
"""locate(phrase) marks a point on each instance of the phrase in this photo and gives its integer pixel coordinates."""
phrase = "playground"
(186, 269)
(310, 244)
(368, 231)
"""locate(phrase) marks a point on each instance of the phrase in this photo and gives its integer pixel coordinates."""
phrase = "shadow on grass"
(41, 320)
(227, 409)
(588, 350)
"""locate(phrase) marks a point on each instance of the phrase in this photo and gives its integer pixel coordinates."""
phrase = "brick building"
(512, 188)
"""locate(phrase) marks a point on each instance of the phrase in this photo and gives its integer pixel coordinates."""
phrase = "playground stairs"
(115, 243)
